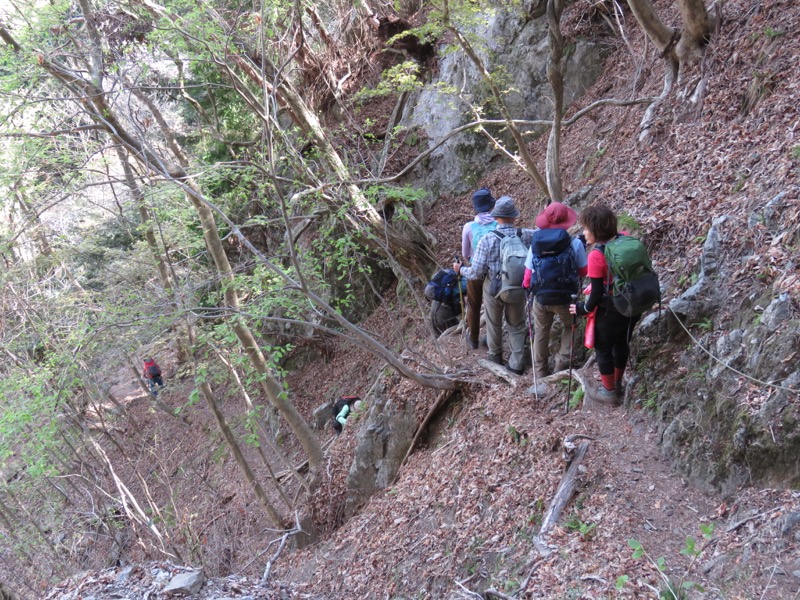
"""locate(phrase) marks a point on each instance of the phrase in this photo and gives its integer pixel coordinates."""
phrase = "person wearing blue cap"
(488, 266)
(471, 234)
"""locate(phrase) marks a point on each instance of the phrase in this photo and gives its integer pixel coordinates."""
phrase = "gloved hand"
(526, 279)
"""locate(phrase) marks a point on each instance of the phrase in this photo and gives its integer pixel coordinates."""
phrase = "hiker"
(342, 409)
(446, 291)
(499, 261)
(555, 265)
(612, 329)
(471, 234)
(152, 374)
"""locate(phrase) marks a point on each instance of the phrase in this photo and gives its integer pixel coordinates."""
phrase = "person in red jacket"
(612, 330)
(152, 374)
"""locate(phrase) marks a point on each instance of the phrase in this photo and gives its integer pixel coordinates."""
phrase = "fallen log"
(564, 493)
(500, 371)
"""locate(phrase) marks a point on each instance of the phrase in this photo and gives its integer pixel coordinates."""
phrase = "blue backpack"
(555, 268)
(479, 230)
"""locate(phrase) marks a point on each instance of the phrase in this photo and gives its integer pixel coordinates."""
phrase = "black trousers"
(612, 336)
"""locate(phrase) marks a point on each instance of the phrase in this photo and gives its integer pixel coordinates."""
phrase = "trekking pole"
(528, 304)
(460, 293)
(571, 352)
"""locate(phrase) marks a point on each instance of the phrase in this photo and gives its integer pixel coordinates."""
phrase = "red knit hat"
(556, 216)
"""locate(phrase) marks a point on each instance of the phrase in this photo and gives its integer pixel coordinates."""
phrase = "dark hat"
(482, 200)
(504, 208)
(556, 216)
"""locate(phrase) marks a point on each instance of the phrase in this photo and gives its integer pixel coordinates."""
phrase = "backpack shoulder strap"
(519, 232)
(499, 235)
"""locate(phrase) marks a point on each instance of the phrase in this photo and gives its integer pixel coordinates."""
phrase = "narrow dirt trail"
(464, 510)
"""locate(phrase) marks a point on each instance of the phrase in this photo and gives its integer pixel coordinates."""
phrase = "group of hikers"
(523, 276)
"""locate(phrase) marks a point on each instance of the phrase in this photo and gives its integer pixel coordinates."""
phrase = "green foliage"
(573, 523)
(535, 518)
(394, 80)
(674, 589)
(741, 179)
(626, 222)
(686, 280)
(520, 438)
(576, 398)
(651, 402)
(622, 580)
(795, 152)
(773, 33)
(705, 324)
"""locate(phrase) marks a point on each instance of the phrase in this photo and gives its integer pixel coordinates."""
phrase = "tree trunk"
(35, 226)
(697, 30)
(233, 446)
(138, 197)
(555, 75)
(647, 17)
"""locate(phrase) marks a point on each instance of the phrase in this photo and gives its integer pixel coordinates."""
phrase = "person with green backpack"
(499, 262)
(471, 234)
(623, 286)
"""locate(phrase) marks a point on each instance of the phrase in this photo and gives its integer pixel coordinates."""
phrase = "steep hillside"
(462, 513)
(699, 466)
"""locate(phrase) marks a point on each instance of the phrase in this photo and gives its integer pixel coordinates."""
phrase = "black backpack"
(340, 403)
(443, 292)
(555, 267)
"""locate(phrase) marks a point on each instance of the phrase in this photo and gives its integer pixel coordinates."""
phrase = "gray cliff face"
(515, 47)
(724, 352)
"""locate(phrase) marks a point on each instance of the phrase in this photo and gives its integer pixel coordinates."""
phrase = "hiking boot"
(496, 359)
(619, 389)
(537, 390)
(562, 364)
(601, 395)
(473, 345)
(515, 371)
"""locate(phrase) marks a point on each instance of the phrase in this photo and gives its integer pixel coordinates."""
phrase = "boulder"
(515, 46)
(381, 445)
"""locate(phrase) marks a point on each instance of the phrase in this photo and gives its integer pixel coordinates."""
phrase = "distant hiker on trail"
(555, 265)
(612, 329)
(152, 374)
(471, 234)
(342, 409)
(500, 258)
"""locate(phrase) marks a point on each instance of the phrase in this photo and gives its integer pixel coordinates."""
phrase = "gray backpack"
(513, 253)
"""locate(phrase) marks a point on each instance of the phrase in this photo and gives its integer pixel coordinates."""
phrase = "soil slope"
(463, 512)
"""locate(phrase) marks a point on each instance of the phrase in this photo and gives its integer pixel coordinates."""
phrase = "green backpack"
(634, 281)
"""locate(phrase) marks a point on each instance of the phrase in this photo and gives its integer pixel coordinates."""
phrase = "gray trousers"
(543, 322)
(514, 314)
